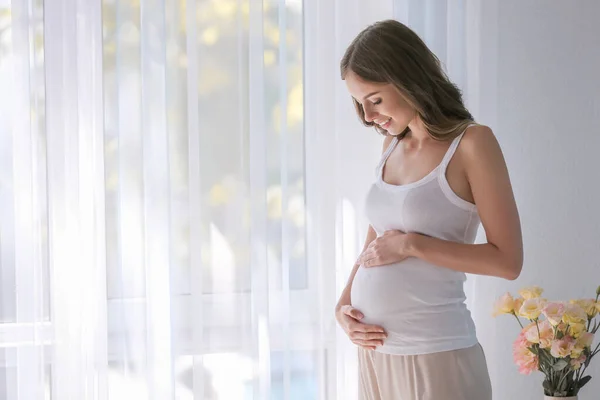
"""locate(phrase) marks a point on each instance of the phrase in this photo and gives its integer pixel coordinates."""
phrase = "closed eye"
(378, 101)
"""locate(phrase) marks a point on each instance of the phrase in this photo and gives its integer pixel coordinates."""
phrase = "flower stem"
(518, 320)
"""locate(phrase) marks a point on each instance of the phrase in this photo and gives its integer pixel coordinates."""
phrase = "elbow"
(513, 273)
(513, 270)
(512, 265)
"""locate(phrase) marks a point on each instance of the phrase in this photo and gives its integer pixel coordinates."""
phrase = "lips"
(384, 123)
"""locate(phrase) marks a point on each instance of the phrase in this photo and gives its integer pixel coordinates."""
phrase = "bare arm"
(502, 255)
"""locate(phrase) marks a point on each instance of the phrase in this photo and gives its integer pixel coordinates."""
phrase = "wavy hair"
(390, 52)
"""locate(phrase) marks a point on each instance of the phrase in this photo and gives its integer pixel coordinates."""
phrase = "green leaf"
(583, 381)
(547, 387)
(560, 365)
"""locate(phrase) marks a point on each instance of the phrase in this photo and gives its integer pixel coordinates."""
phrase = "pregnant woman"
(439, 177)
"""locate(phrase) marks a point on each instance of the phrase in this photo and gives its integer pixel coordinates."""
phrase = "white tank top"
(420, 305)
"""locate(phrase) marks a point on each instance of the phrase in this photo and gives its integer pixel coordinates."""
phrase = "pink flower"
(546, 334)
(554, 312)
(541, 333)
(523, 357)
(531, 333)
(563, 347)
(585, 339)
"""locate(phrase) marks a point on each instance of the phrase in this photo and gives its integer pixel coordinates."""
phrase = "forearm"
(480, 259)
(345, 296)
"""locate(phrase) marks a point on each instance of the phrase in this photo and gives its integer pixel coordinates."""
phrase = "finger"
(368, 253)
(367, 335)
(373, 262)
(371, 348)
(352, 312)
(360, 327)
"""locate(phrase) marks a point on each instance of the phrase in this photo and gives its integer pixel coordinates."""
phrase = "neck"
(418, 133)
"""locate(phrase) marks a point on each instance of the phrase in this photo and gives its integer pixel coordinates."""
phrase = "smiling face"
(416, 92)
(381, 103)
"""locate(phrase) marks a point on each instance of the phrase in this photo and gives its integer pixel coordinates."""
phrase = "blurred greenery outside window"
(223, 81)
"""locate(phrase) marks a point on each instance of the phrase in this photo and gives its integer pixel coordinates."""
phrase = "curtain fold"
(24, 310)
(182, 186)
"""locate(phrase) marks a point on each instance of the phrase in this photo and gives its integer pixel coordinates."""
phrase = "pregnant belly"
(404, 288)
(420, 306)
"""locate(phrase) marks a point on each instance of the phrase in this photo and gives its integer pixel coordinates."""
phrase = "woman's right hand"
(363, 335)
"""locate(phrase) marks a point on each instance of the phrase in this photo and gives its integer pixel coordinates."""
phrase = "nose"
(369, 114)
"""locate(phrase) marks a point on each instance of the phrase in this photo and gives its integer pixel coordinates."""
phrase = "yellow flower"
(504, 305)
(562, 348)
(532, 308)
(531, 292)
(576, 330)
(576, 352)
(574, 314)
(588, 305)
(518, 303)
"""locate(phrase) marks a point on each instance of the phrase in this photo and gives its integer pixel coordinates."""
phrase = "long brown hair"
(390, 52)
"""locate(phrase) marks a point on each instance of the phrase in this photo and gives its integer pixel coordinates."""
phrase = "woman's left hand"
(391, 247)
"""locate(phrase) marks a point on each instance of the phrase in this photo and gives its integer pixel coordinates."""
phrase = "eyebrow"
(369, 95)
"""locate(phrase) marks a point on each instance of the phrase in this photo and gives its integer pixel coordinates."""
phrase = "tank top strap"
(387, 153)
(452, 149)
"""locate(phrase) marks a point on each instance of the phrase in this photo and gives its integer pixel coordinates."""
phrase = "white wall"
(543, 103)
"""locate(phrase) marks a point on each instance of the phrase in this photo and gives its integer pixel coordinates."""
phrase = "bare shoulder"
(479, 147)
(478, 138)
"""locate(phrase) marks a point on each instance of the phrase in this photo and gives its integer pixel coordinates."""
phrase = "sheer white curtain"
(182, 188)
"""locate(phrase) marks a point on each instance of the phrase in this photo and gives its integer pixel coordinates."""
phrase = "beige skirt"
(450, 375)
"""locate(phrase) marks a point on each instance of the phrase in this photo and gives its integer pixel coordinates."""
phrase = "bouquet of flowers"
(557, 340)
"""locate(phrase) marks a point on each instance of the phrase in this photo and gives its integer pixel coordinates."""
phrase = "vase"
(560, 398)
